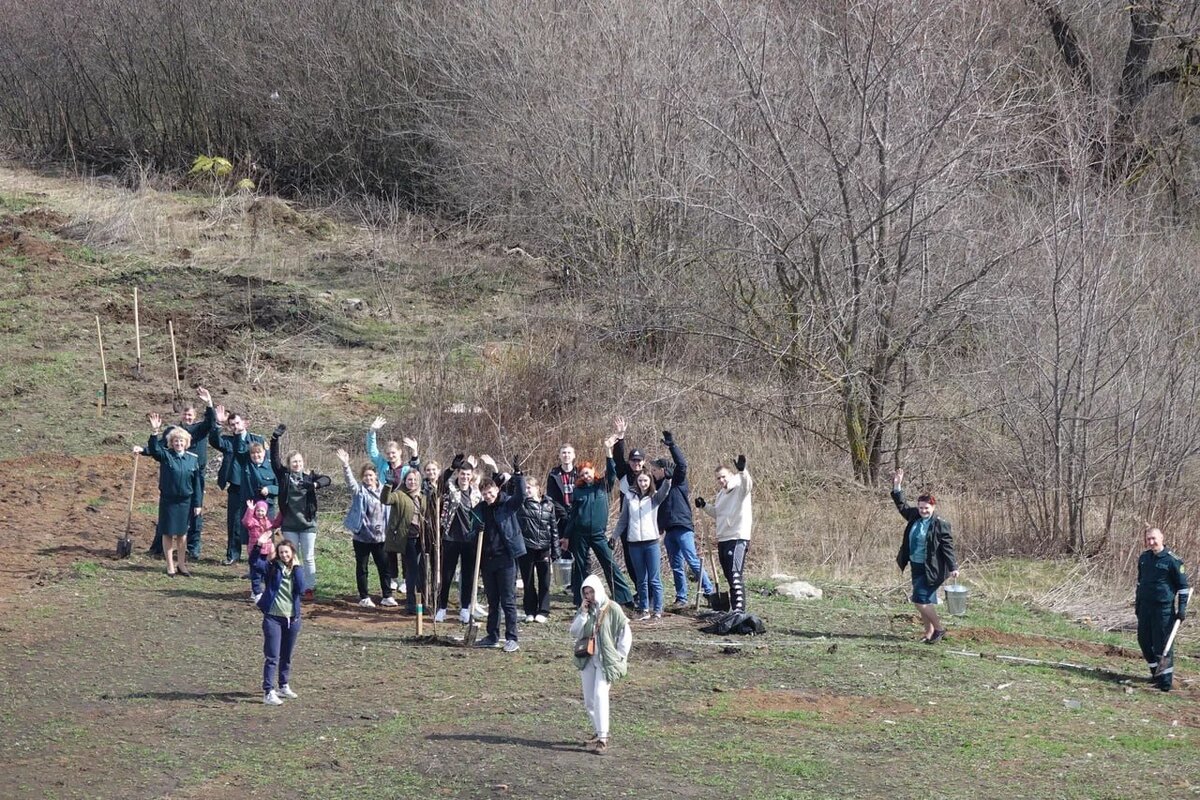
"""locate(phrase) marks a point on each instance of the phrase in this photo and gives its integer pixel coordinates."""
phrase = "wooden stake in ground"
(103, 365)
(175, 360)
(420, 614)
(137, 334)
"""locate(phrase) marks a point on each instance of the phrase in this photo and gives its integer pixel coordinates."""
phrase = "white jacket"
(642, 512)
(731, 508)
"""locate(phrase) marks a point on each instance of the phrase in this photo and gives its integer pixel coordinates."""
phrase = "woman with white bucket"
(928, 550)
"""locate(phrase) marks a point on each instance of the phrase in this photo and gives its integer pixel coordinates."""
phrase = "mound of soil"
(995, 637)
(31, 247)
(42, 219)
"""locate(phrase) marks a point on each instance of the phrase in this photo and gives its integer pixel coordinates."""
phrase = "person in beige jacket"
(734, 514)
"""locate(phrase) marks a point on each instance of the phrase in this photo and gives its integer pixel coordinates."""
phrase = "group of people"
(420, 524)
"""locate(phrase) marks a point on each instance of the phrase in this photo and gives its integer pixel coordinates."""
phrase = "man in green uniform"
(235, 449)
(1161, 581)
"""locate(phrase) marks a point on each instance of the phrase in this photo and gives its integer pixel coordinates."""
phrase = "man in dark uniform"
(1161, 580)
(199, 432)
(235, 449)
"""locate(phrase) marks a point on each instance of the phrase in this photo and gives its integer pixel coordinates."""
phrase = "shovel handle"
(132, 493)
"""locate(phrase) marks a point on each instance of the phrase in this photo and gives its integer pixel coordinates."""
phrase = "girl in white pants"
(604, 623)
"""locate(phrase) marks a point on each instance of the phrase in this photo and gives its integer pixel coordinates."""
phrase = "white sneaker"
(286, 692)
(272, 699)
(440, 616)
(520, 583)
(541, 619)
(528, 618)
(254, 598)
(366, 602)
(392, 585)
(511, 646)
(464, 616)
(480, 611)
(403, 588)
(389, 602)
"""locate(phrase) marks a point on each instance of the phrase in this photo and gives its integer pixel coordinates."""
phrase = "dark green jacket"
(236, 456)
(589, 504)
(1160, 578)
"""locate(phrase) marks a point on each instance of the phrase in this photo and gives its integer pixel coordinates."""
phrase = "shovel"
(125, 543)
(720, 600)
(472, 625)
(1162, 660)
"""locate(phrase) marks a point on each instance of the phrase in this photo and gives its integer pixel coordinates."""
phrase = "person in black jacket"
(502, 546)
(676, 522)
(540, 531)
(560, 485)
(1161, 580)
(298, 505)
(928, 549)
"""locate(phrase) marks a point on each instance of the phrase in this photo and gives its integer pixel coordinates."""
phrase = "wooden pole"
(103, 364)
(174, 357)
(137, 333)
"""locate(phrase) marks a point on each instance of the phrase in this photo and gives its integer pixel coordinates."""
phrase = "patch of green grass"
(1142, 744)
(16, 203)
(85, 569)
(393, 400)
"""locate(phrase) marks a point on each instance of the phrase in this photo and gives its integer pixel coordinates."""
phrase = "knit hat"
(261, 505)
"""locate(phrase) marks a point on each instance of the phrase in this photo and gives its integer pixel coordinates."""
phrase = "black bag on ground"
(735, 622)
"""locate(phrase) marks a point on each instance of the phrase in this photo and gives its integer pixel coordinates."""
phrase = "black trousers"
(1155, 621)
(452, 554)
(535, 564)
(364, 553)
(499, 576)
(393, 566)
(733, 562)
(414, 572)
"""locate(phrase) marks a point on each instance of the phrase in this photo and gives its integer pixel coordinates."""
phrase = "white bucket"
(562, 572)
(956, 599)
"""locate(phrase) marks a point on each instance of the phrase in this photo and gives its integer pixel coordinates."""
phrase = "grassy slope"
(146, 687)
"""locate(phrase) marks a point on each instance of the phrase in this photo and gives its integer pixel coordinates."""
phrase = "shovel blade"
(124, 547)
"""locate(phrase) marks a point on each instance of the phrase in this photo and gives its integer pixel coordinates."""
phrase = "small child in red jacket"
(258, 528)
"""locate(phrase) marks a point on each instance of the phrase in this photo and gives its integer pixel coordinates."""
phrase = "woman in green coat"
(180, 490)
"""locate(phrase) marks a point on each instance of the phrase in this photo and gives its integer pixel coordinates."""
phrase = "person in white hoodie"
(642, 534)
(602, 637)
(732, 510)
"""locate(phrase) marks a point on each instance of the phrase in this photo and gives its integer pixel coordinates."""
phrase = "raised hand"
(155, 421)
(471, 460)
(458, 462)
(138, 449)
(279, 431)
(491, 462)
(378, 423)
(221, 414)
(700, 502)
(611, 442)
(620, 427)
(411, 444)
(249, 504)
(668, 438)
(516, 465)
(740, 463)
(343, 457)
(898, 478)
(204, 395)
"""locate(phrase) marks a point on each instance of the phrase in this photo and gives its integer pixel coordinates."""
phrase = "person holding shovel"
(199, 431)
(181, 491)
(602, 637)
(734, 515)
(927, 548)
(503, 544)
(1162, 598)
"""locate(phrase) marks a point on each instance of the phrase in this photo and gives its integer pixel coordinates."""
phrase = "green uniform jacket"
(589, 504)
(1161, 578)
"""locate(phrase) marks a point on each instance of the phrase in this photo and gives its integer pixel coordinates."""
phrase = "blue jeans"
(681, 547)
(649, 583)
(279, 639)
(258, 571)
